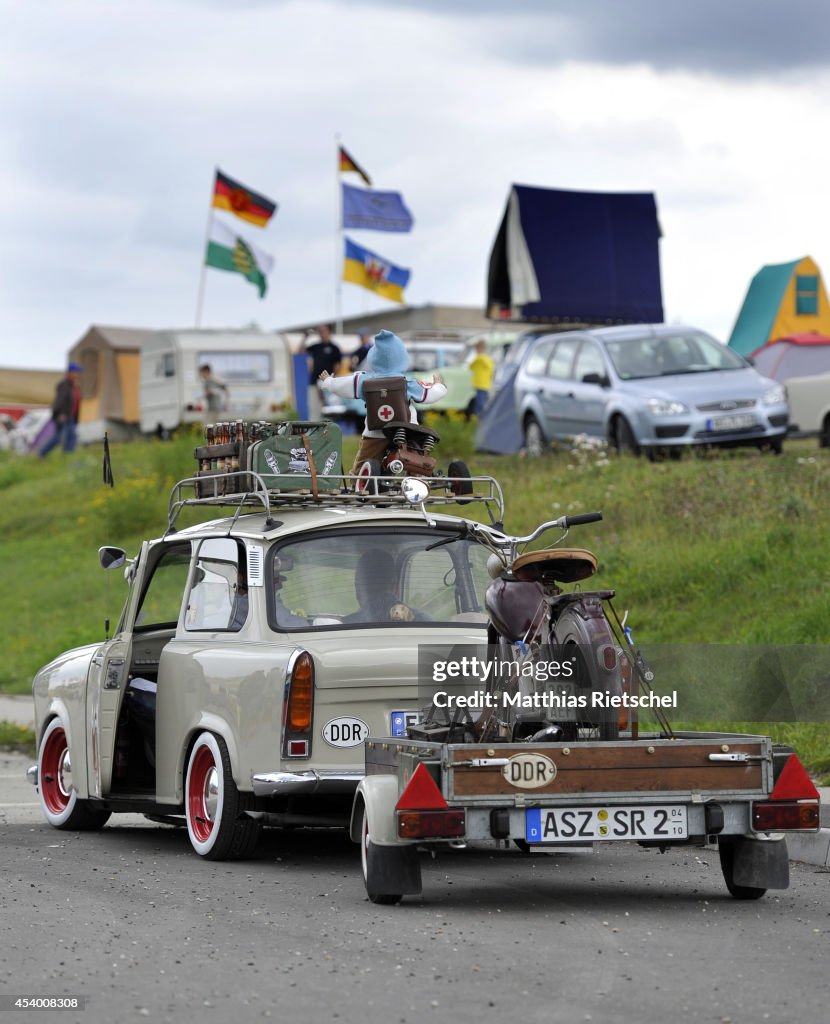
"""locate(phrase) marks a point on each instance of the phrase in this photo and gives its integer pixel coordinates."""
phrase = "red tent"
(797, 355)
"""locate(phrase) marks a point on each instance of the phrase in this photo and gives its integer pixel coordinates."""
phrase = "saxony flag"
(251, 206)
(228, 251)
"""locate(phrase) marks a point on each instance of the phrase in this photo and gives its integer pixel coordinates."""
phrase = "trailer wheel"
(388, 871)
(726, 849)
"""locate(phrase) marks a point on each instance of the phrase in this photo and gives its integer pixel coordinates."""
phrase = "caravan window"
(238, 367)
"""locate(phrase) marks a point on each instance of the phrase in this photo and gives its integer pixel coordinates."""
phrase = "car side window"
(218, 598)
(589, 360)
(161, 601)
(538, 359)
(560, 365)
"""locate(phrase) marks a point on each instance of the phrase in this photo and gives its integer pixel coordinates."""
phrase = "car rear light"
(786, 816)
(298, 707)
(445, 824)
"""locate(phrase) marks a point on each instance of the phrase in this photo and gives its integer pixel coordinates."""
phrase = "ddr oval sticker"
(345, 732)
(529, 771)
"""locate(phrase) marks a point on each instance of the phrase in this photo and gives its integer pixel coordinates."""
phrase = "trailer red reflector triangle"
(794, 783)
(421, 793)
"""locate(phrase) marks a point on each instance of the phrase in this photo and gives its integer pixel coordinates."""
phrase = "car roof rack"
(247, 489)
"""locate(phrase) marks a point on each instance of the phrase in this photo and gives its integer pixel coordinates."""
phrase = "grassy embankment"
(731, 548)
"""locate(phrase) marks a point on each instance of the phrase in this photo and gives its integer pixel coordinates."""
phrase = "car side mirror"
(596, 378)
(111, 558)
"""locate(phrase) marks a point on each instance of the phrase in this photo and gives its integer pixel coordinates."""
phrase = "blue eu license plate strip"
(400, 721)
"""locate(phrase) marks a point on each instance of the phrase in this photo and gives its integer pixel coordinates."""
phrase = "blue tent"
(576, 257)
(498, 429)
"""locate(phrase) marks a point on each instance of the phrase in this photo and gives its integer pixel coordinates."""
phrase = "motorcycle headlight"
(774, 396)
(663, 407)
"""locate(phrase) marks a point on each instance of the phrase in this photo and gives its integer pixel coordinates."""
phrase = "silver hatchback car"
(646, 388)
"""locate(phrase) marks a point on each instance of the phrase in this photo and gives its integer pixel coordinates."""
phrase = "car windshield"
(380, 577)
(666, 355)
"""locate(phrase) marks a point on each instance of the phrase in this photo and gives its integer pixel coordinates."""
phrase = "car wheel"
(824, 436)
(58, 796)
(364, 484)
(216, 823)
(535, 441)
(624, 440)
(726, 850)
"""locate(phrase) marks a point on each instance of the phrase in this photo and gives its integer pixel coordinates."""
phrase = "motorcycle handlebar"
(563, 523)
(584, 517)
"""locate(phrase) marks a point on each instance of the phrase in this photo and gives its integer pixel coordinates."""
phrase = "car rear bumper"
(319, 781)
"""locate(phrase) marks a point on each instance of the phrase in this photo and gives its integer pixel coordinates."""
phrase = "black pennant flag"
(108, 478)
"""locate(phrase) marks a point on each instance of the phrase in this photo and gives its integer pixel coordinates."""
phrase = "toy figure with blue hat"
(389, 392)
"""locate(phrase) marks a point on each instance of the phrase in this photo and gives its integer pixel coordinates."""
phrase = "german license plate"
(576, 824)
(740, 421)
(400, 721)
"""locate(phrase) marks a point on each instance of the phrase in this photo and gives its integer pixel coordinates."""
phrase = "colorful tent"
(783, 299)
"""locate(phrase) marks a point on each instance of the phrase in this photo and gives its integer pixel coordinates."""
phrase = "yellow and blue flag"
(374, 272)
(373, 210)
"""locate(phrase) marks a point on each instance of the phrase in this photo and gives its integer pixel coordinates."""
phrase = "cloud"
(111, 128)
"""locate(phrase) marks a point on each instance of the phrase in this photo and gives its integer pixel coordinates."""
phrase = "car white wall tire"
(214, 808)
(58, 796)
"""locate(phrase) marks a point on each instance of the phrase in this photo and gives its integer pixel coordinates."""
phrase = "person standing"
(483, 369)
(65, 410)
(216, 393)
(324, 356)
(360, 353)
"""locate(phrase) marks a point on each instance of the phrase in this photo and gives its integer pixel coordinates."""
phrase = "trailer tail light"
(786, 816)
(446, 824)
(298, 707)
(422, 811)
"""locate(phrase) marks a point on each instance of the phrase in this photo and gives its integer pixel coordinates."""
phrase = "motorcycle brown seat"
(564, 565)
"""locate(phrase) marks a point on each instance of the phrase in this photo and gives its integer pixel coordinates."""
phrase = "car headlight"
(663, 407)
(774, 396)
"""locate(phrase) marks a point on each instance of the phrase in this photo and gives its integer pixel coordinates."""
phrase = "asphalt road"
(131, 919)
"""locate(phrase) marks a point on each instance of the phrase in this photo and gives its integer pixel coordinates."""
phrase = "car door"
(152, 611)
(587, 400)
(556, 399)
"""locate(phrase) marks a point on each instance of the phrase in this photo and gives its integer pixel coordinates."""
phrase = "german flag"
(347, 163)
(235, 197)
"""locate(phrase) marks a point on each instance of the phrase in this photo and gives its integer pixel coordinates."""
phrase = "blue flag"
(376, 211)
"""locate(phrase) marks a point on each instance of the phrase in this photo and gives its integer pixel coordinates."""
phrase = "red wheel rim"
(363, 473)
(199, 801)
(55, 767)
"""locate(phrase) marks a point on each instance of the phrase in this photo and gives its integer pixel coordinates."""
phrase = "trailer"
(666, 789)
(254, 366)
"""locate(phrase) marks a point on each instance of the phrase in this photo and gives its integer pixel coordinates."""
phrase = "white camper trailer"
(255, 367)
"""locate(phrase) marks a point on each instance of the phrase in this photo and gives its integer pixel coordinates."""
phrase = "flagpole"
(201, 297)
(338, 286)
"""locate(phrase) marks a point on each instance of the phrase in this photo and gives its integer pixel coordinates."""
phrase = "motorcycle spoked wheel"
(580, 636)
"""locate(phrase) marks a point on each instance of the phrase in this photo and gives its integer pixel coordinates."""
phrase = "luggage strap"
(312, 468)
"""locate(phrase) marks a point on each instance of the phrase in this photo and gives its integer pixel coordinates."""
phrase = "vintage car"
(254, 654)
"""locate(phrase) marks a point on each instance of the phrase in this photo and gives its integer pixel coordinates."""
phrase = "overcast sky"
(113, 117)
